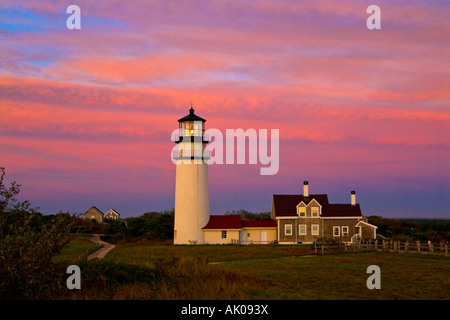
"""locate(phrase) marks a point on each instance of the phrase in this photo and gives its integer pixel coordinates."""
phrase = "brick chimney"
(305, 189)
(353, 198)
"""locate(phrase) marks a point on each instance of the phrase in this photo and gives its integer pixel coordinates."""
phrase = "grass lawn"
(281, 272)
(146, 254)
(79, 247)
(343, 276)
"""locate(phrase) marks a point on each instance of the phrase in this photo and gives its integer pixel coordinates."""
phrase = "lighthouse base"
(191, 202)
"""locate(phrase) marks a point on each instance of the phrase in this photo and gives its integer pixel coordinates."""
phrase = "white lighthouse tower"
(191, 186)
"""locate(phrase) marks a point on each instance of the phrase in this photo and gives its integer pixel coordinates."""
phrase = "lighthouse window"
(224, 234)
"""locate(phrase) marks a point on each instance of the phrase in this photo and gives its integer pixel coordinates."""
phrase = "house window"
(344, 231)
(224, 234)
(288, 229)
(302, 212)
(315, 229)
(302, 229)
(336, 231)
(314, 211)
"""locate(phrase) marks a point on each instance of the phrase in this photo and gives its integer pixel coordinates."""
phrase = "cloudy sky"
(86, 115)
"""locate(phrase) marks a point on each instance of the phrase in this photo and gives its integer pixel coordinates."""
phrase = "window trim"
(338, 228)
(224, 232)
(285, 229)
(317, 214)
(299, 228)
(345, 234)
(300, 213)
(312, 230)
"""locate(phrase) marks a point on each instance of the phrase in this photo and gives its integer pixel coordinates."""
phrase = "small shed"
(222, 229)
(258, 232)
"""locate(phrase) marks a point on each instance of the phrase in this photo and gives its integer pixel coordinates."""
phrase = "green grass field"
(265, 272)
(77, 250)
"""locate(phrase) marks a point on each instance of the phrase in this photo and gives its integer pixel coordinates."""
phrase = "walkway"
(100, 253)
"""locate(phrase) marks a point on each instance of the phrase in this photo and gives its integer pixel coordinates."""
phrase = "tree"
(27, 244)
(247, 215)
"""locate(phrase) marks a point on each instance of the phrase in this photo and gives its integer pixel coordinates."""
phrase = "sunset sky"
(86, 115)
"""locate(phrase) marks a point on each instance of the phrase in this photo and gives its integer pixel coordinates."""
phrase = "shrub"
(194, 278)
(327, 241)
(28, 241)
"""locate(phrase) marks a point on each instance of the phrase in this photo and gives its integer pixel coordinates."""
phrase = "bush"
(148, 227)
(28, 241)
(170, 278)
(327, 241)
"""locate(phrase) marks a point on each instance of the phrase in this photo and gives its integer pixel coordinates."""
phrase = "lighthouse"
(191, 185)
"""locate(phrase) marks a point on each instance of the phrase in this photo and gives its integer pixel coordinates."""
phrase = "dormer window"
(302, 212)
(314, 212)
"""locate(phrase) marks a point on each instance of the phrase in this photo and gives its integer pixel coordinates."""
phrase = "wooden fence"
(385, 245)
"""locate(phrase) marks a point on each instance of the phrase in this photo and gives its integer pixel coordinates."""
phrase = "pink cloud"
(348, 102)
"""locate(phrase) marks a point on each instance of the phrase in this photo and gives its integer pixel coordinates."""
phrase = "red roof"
(223, 222)
(259, 223)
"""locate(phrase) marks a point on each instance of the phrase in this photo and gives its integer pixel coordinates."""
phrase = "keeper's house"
(302, 218)
(306, 217)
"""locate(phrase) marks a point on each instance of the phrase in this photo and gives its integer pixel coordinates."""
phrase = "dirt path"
(100, 253)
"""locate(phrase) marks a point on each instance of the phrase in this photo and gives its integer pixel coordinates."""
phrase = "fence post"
(430, 245)
(322, 248)
(418, 246)
(406, 246)
(446, 250)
